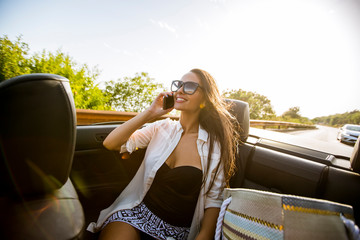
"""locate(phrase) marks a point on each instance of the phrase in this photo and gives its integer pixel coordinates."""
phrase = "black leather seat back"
(240, 110)
(38, 133)
(38, 128)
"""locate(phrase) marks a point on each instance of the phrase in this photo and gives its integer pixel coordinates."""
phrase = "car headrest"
(240, 110)
(38, 131)
(355, 157)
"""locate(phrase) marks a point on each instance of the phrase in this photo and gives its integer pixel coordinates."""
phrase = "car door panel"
(284, 172)
(315, 175)
(99, 175)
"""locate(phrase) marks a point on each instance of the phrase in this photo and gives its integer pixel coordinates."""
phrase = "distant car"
(349, 133)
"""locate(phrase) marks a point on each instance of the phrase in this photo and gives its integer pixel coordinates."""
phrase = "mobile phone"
(168, 102)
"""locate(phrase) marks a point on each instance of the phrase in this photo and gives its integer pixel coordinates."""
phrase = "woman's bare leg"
(119, 230)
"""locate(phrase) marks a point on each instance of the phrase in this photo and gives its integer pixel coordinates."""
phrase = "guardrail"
(86, 117)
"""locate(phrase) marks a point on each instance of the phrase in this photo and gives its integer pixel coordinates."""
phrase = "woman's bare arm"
(208, 225)
(121, 134)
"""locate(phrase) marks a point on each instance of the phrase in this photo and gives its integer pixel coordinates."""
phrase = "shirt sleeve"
(140, 138)
(214, 197)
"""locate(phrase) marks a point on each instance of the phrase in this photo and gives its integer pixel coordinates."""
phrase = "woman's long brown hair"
(220, 124)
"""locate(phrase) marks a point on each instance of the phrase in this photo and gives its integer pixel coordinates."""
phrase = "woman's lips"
(180, 99)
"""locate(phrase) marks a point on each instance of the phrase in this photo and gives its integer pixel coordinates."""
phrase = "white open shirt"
(161, 138)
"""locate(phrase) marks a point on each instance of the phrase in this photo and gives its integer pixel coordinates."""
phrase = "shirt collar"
(202, 134)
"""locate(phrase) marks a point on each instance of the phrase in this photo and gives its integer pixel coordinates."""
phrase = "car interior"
(56, 177)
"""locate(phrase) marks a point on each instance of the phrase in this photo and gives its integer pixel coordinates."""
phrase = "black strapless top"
(173, 194)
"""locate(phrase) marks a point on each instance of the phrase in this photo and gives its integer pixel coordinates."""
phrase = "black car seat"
(37, 138)
(240, 110)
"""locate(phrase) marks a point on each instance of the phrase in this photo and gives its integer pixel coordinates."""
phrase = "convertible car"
(57, 176)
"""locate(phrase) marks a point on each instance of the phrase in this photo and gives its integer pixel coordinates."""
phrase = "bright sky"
(303, 53)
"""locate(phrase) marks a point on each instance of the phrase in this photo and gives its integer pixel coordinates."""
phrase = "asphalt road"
(328, 135)
(322, 139)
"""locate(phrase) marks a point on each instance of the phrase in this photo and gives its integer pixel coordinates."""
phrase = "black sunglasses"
(188, 87)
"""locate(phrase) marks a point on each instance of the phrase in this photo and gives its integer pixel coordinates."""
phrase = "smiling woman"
(199, 148)
(188, 94)
(297, 53)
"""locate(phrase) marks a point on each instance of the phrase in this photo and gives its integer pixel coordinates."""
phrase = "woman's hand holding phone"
(168, 102)
(122, 133)
(157, 107)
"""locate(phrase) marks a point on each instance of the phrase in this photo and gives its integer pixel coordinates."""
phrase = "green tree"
(292, 113)
(13, 58)
(354, 117)
(14, 61)
(87, 94)
(128, 94)
(339, 119)
(259, 105)
(132, 93)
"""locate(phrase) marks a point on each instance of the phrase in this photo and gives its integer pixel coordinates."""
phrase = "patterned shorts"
(143, 219)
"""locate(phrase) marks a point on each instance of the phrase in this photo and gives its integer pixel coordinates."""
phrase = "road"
(328, 135)
(322, 133)
(322, 139)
